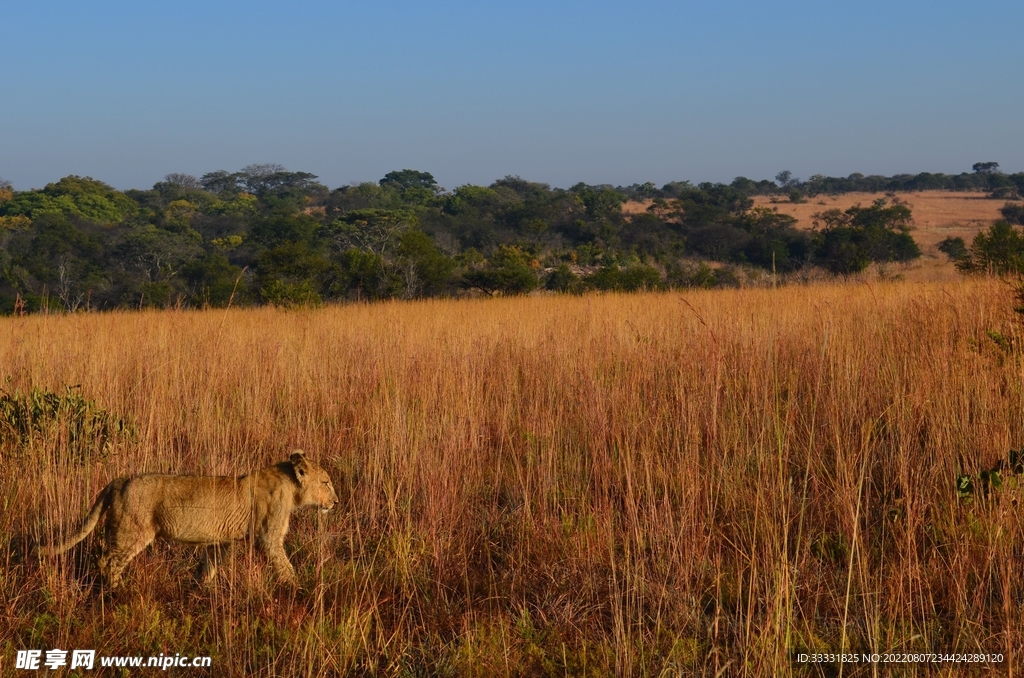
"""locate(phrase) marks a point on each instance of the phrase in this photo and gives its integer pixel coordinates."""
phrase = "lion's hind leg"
(213, 555)
(119, 553)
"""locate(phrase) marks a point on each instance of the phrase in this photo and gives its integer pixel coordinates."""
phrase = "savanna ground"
(699, 483)
(937, 215)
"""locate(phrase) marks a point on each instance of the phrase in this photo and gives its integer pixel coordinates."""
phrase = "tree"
(414, 186)
(999, 251)
(220, 182)
(707, 204)
(263, 180)
(700, 276)
(744, 185)
(786, 179)
(157, 254)
(954, 248)
(508, 271)
(178, 215)
(279, 189)
(562, 279)
(841, 250)
(719, 241)
(82, 197)
(528, 191)
(477, 199)
(367, 195)
(10, 224)
(407, 178)
(1013, 213)
(599, 202)
(278, 229)
(985, 167)
(361, 275)
(774, 243)
(425, 270)
(371, 230)
(213, 280)
(630, 279)
(291, 274)
(185, 181)
(256, 171)
(850, 240)
(55, 254)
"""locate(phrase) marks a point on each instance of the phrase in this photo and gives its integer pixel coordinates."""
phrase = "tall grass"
(705, 483)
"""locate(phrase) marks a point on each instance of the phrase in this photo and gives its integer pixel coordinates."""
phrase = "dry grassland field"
(709, 483)
(937, 214)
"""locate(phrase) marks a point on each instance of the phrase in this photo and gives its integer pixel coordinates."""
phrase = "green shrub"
(999, 250)
(562, 279)
(954, 248)
(83, 428)
(509, 271)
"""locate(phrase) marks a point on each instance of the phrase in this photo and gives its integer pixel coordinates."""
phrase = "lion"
(208, 510)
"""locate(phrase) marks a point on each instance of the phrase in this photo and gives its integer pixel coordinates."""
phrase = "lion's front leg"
(279, 560)
(283, 567)
(272, 543)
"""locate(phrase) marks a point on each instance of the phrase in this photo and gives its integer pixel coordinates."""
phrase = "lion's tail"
(91, 520)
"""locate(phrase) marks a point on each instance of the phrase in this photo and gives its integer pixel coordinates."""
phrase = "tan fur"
(208, 510)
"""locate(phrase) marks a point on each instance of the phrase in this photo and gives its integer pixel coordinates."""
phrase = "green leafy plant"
(1006, 473)
(84, 428)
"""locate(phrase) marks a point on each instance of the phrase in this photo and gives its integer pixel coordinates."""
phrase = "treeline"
(985, 177)
(268, 235)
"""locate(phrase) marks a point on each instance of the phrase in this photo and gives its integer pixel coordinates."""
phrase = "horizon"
(446, 189)
(560, 94)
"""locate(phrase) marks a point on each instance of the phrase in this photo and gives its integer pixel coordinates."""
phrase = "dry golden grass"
(660, 484)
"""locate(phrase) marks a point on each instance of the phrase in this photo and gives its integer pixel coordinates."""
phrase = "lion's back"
(197, 509)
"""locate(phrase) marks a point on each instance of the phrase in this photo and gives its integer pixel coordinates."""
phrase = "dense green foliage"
(265, 234)
(87, 431)
(847, 241)
(1014, 213)
(999, 250)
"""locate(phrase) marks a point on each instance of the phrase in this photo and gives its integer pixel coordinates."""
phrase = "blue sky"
(558, 91)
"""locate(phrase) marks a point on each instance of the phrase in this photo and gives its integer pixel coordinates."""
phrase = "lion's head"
(316, 486)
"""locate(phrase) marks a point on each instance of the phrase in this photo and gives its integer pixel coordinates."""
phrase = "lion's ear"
(298, 460)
